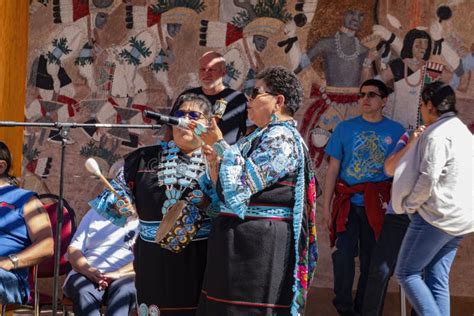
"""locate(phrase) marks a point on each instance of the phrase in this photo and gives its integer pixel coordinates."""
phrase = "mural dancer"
(343, 55)
(161, 181)
(355, 176)
(262, 248)
(243, 34)
(409, 72)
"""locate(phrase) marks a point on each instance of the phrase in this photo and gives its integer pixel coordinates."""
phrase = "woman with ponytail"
(433, 184)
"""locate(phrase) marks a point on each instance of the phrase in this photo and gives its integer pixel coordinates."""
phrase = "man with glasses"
(356, 178)
(229, 105)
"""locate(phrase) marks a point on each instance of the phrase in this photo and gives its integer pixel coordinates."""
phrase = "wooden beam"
(13, 61)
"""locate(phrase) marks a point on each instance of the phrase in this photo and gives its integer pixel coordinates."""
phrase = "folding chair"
(46, 268)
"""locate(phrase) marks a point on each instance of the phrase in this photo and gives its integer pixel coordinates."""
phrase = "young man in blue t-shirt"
(361, 190)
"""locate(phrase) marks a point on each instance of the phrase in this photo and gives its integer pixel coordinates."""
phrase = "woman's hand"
(213, 161)
(213, 133)
(416, 133)
(94, 275)
(124, 207)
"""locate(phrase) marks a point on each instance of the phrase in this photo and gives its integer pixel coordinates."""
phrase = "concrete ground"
(319, 304)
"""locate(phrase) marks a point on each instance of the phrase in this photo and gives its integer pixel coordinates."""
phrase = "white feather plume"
(93, 167)
(394, 22)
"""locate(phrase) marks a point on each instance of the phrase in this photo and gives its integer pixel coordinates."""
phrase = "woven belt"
(148, 230)
(268, 212)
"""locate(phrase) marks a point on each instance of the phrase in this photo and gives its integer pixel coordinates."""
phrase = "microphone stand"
(64, 129)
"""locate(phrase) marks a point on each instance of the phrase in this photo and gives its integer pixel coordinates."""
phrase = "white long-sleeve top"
(435, 177)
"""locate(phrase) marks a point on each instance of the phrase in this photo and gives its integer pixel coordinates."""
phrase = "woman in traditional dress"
(262, 246)
(157, 179)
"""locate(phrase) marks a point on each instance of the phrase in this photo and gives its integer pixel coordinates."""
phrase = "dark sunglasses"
(369, 95)
(193, 115)
(256, 92)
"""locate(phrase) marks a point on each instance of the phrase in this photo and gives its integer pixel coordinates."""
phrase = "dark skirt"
(170, 281)
(250, 268)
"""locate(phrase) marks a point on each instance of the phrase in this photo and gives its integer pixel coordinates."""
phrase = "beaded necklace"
(340, 52)
(178, 175)
(405, 75)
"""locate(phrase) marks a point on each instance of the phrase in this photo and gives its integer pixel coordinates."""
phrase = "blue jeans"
(382, 265)
(13, 290)
(120, 296)
(429, 252)
(357, 240)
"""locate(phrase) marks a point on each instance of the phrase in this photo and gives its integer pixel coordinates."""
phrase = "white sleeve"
(79, 239)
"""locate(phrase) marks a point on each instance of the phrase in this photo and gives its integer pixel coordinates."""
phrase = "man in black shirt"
(229, 105)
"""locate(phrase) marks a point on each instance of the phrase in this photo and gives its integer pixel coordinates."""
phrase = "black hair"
(383, 89)
(280, 80)
(441, 95)
(201, 101)
(7, 157)
(444, 13)
(409, 40)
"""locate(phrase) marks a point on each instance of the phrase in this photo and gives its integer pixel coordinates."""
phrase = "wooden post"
(13, 61)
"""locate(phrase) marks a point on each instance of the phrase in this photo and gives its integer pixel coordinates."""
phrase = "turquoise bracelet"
(220, 147)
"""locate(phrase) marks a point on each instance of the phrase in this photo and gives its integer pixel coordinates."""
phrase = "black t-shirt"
(233, 122)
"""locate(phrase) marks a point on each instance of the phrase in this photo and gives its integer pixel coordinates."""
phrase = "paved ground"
(319, 304)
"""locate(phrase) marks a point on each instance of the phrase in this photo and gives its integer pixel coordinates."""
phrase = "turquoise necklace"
(178, 175)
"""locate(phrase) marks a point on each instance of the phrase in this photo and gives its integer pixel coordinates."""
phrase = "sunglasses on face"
(369, 95)
(193, 115)
(256, 92)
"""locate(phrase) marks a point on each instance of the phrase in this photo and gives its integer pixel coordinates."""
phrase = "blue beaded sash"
(267, 212)
(148, 230)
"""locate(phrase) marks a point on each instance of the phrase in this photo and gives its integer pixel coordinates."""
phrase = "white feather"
(455, 2)
(394, 21)
(93, 167)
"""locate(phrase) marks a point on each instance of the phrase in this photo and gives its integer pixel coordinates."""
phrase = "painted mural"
(106, 61)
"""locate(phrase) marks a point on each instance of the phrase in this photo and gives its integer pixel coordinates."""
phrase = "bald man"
(229, 105)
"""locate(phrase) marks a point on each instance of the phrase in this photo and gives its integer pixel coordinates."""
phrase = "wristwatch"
(14, 259)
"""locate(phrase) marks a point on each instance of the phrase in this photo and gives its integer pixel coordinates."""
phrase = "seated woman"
(432, 183)
(25, 234)
(101, 256)
(262, 246)
(159, 180)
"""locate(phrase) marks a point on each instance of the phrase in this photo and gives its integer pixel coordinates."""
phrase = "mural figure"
(343, 55)
(415, 68)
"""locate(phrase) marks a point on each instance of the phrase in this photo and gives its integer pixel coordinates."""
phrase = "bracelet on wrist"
(367, 63)
(220, 147)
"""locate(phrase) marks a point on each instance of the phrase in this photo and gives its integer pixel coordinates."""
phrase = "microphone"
(164, 119)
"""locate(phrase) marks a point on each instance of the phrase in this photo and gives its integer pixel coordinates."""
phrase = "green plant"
(91, 149)
(60, 44)
(165, 5)
(138, 45)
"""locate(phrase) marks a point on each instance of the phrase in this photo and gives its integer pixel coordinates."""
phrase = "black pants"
(357, 240)
(384, 260)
